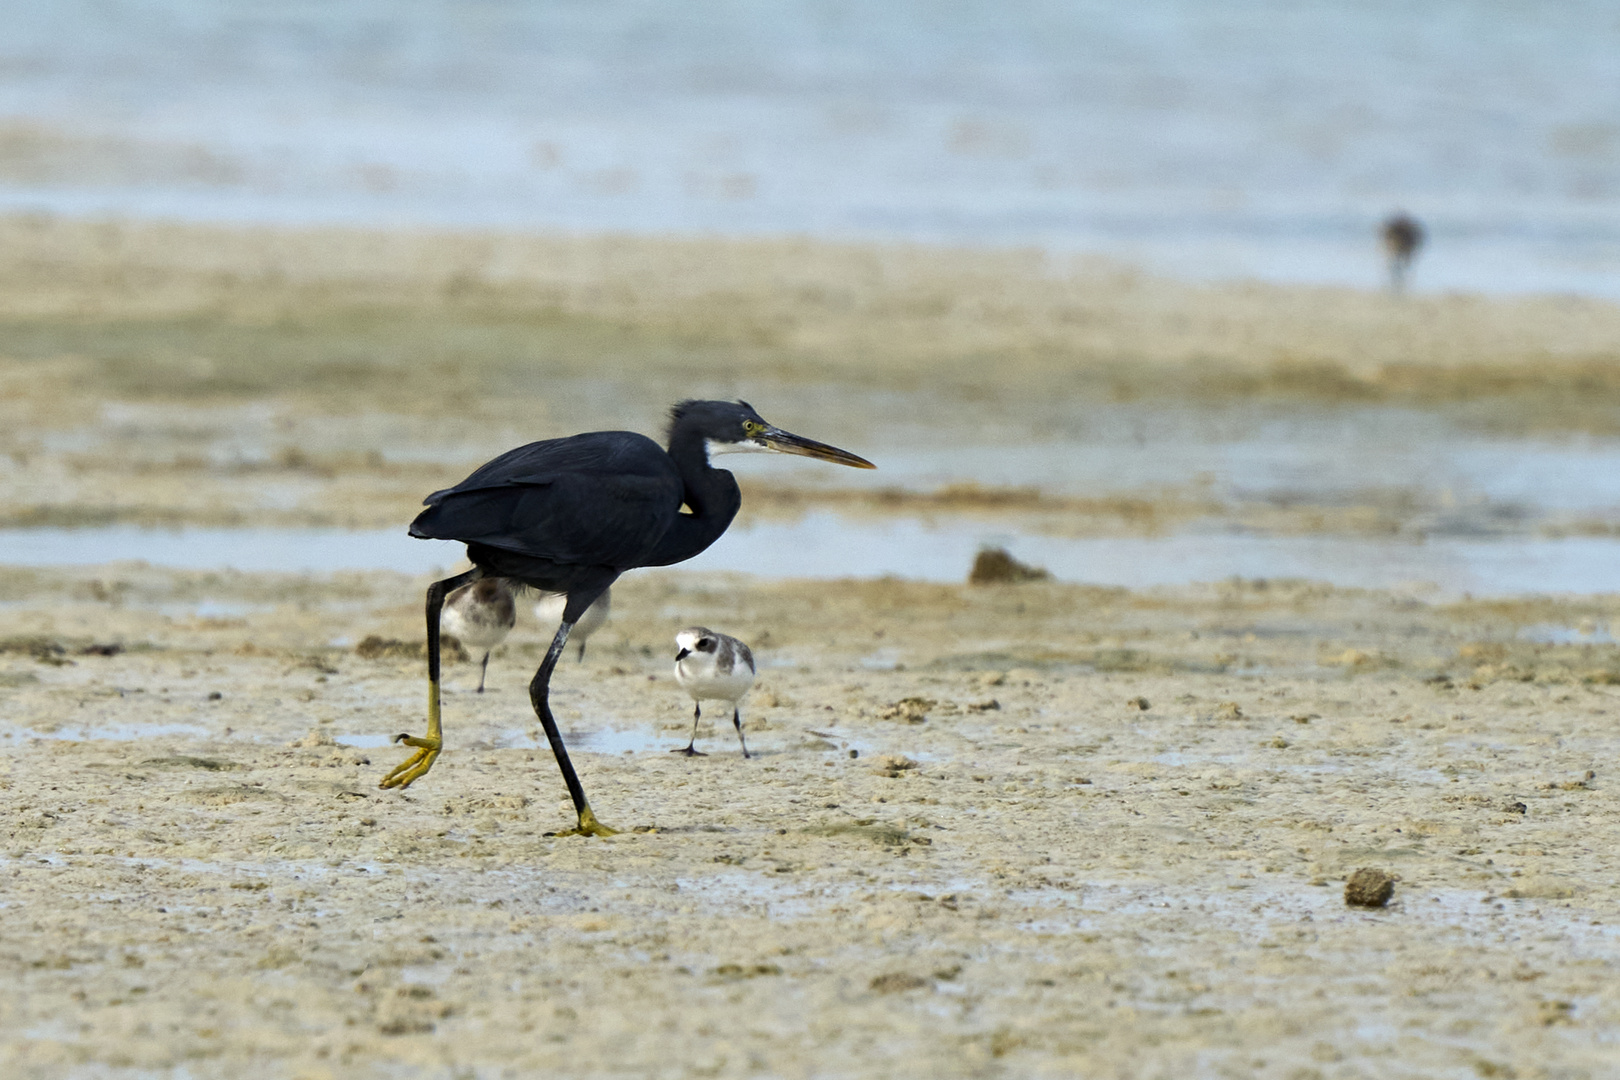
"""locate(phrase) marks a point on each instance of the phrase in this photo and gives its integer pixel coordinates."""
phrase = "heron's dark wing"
(604, 499)
(603, 453)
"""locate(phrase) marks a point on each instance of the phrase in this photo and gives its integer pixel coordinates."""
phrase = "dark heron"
(480, 616)
(570, 515)
(1402, 236)
(712, 667)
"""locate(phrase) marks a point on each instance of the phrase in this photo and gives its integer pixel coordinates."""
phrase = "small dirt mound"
(993, 566)
(892, 765)
(897, 982)
(1369, 887)
(913, 710)
(375, 647)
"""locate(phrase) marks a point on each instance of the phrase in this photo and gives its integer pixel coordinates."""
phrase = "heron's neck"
(712, 499)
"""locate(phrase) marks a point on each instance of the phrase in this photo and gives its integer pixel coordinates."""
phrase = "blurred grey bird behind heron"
(548, 610)
(480, 615)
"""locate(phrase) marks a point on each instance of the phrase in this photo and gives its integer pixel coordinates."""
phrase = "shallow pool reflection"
(825, 545)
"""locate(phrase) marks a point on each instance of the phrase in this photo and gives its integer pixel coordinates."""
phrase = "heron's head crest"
(716, 421)
(731, 427)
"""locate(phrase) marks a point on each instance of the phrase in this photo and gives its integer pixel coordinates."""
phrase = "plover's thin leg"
(482, 672)
(690, 749)
(736, 722)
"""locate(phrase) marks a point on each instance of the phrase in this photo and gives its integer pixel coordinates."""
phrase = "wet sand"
(1019, 830)
(1005, 830)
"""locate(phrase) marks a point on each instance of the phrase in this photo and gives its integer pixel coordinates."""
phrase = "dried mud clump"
(1369, 887)
(1583, 784)
(373, 647)
(378, 648)
(897, 982)
(43, 649)
(913, 710)
(993, 566)
(734, 972)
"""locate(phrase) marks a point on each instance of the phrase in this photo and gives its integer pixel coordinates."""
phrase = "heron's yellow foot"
(589, 826)
(416, 765)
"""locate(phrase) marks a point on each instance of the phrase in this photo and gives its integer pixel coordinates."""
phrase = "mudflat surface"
(1012, 830)
(1007, 830)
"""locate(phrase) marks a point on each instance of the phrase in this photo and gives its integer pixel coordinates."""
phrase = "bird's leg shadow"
(539, 695)
(690, 749)
(429, 745)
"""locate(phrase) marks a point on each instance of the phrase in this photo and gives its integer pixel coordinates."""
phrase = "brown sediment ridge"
(1141, 513)
(363, 498)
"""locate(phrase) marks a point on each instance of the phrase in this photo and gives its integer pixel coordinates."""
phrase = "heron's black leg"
(539, 695)
(428, 746)
(483, 671)
(736, 722)
(690, 749)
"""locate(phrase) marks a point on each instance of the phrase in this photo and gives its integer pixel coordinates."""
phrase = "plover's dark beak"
(785, 442)
(682, 655)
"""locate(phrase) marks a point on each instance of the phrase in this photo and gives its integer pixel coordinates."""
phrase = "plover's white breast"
(713, 666)
(480, 615)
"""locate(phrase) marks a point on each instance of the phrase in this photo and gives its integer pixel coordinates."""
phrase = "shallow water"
(1320, 457)
(1237, 452)
(1216, 140)
(825, 545)
(603, 740)
(108, 732)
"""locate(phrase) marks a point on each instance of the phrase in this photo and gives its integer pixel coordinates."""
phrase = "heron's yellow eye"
(752, 427)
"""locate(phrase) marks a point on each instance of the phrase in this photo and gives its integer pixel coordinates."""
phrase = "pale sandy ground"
(1026, 873)
(1038, 878)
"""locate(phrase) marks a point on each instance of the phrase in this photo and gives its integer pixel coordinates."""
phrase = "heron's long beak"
(785, 442)
(682, 655)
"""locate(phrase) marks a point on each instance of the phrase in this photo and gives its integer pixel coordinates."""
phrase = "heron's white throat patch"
(747, 446)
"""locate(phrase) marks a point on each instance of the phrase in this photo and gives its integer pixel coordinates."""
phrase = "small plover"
(480, 615)
(549, 611)
(712, 667)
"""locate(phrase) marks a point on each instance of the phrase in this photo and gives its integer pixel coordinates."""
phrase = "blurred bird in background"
(480, 616)
(1402, 237)
(549, 611)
